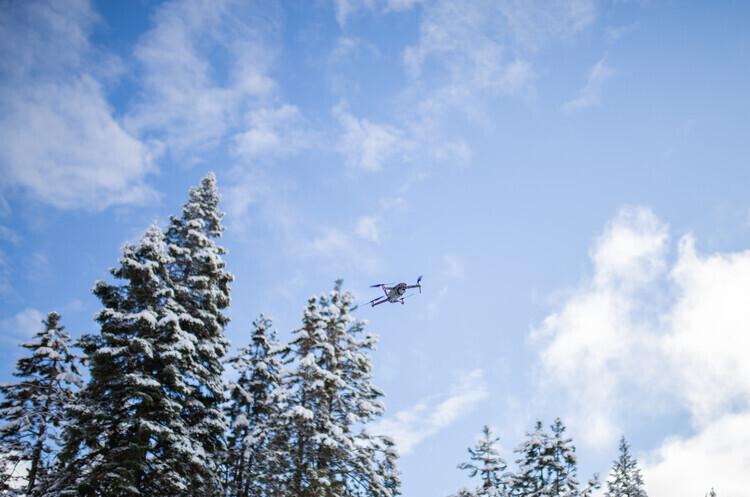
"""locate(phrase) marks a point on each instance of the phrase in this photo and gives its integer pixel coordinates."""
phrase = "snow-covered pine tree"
(548, 465)
(530, 480)
(32, 409)
(562, 469)
(254, 406)
(201, 288)
(625, 479)
(125, 435)
(711, 493)
(485, 462)
(330, 399)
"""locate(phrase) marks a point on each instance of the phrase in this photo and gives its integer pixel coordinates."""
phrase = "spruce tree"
(548, 465)
(32, 409)
(125, 436)
(255, 401)
(201, 289)
(711, 493)
(330, 400)
(485, 462)
(531, 480)
(625, 478)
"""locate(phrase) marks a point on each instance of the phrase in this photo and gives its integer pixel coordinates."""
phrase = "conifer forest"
(142, 408)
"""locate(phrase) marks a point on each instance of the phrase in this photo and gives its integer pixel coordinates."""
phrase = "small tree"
(548, 465)
(625, 478)
(485, 462)
(255, 402)
(32, 409)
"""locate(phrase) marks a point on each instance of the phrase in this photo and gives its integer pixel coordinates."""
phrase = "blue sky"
(570, 177)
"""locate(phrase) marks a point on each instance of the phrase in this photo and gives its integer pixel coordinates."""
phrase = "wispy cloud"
(590, 94)
(368, 228)
(644, 336)
(62, 142)
(21, 327)
(368, 145)
(206, 79)
(272, 132)
(409, 427)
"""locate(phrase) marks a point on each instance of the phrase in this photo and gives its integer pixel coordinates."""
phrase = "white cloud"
(368, 228)
(272, 132)
(717, 457)
(645, 337)
(367, 145)
(464, 42)
(590, 94)
(184, 103)
(62, 142)
(708, 338)
(338, 247)
(345, 8)
(534, 23)
(409, 427)
(21, 327)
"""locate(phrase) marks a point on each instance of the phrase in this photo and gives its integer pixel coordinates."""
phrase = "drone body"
(395, 293)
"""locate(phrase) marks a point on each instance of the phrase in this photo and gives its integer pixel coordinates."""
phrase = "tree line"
(154, 415)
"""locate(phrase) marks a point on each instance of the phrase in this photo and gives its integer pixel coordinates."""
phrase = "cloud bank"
(647, 335)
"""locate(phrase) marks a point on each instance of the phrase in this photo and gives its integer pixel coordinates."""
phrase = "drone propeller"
(419, 283)
(378, 285)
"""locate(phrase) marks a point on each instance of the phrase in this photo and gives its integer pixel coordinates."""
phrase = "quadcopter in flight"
(394, 293)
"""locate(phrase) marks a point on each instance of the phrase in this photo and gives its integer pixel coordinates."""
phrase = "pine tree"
(201, 288)
(125, 436)
(711, 493)
(255, 402)
(625, 478)
(32, 409)
(485, 461)
(563, 467)
(548, 465)
(330, 399)
(531, 477)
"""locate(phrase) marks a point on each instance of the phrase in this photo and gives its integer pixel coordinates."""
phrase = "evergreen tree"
(330, 399)
(126, 436)
(485, 461)
(201, 288)
(254, 406)
(711, 493)
(32, 409)
(548, 465)
(531, 478)
(625, 478)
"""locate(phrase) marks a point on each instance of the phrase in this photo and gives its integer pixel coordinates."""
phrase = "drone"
(394, 293)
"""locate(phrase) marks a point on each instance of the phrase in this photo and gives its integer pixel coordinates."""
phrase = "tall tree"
(32, 409)
(255, 400)
(125, 436)
(330, 400)
(625, 478)
(486, 463)
(201, 288)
